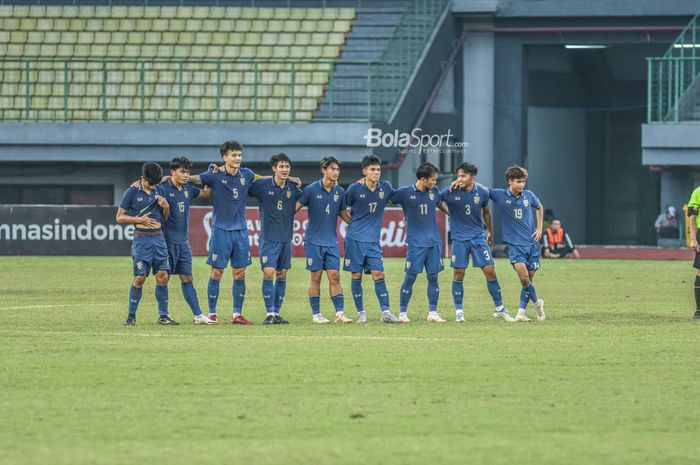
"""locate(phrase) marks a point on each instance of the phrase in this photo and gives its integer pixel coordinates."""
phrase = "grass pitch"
(610, 378)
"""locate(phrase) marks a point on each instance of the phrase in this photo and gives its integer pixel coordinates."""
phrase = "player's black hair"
(328, 161)
(280, 157)
(468, 168)
(370, 160)
(516, 172)
(152, 172)
(426, 170)
(230, 145)
(180, 163)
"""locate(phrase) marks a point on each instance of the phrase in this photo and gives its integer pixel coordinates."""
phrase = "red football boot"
(240, 320)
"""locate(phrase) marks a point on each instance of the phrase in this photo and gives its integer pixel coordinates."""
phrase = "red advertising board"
(393, 236)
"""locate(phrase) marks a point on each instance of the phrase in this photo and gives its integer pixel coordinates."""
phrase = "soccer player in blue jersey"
(470, 224)
(522, 215)
(325, 201)
(363, 253)
(179, 194)
(277, 197)
(146, 210)
(419, 202)
(229, 232)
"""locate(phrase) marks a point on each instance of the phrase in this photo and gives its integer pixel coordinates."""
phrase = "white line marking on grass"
(242, 336)
(27, 307)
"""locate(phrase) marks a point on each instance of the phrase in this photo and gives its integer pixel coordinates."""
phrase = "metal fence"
(672, 80)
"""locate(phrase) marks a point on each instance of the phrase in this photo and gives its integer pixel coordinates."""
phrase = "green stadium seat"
(37, 11)
(297, 13)
(168, 12)
(10, 24)
(326, 26)
(144, 25)
(86, 37)
(182, 51)
(219, 38)
(18, 37)
(282, 13)
(98, 50)
(313, 13)
(253, 38)
(233, 13)
(270, 38)
(102, 38)
(292, 26)
(20, 11)
(215, 52)
(120, 12)
(193, 25)
(86, 11)
(198, 52)
(151, 12)
(243, 25)
(160, 25)
(132, 51)
(103, 12)
(281, 52)
(5, 11)
(166, 51)
(94, 25)
(42, 24)
(135, 12)
(310, 26)
(78, 24)
(111, 25)
(202, 38)
(147, 38)
(319, 38)
(298, 52)
(186, 38)
(302, 38)
(258, 25)
(34, 37)
(237, 38)
(341, 26)
(217, 12)
(15, 50)
(148, 51)
(329, 52)
(200, 12)
(49, 50)
(346, 13)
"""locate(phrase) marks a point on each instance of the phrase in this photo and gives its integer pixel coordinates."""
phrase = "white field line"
(29, 307)
(229, 336)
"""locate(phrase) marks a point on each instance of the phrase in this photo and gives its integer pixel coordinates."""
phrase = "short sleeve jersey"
(177, 226)
(466, 218)
(367, 210)
(694, 202)
(517, 215)
(230, 197)
(324, 207)
(138, 202)
(419, 210)
(277, 208)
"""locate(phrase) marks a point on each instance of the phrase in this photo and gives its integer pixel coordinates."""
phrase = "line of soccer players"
(159, 209)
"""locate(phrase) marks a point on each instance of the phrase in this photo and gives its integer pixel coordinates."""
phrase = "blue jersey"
(177, 226)
(466, 220)
(324, 207)
(277, 208)
(230, 197)
(518, 215)
(137, 202)
(367, 210)
(419, 210)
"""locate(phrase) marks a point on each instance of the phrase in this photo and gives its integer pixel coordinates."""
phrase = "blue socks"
(315, 302)
(357, 295)
(406, 291)
(162, 299)
(433, 291)
(382, 294)
(532, 292)
(268, 290)
(190, 294)
(134, 298)
(458, 294)
(212, 294)
(280, 290)
(238, 295)
(495, 291)
(338, 303)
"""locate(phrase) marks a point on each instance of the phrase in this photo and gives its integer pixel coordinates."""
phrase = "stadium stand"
(167, 63)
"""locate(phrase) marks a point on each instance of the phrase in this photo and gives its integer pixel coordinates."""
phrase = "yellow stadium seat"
(198, 52)
(151, 12)
(168, 12)
(86, 11)
(147, 38)
(127, 24)
(292, 26)
(319, 38)
(185, 12)
(119, 12)
(299, 51)
(32, 50)
(42, 24)
(326, 26)
(336, 38)
(330, 14)
(34, 37)
(69, 37)
(270, 38)
(81, 50)
(275, 25)
(346, 13)
(233, 13)
(216, 12)
(15, 50)
(302, 38)
(135, 12)
(313, 13)
(65, 50)
(264, 52)
(282, 13)
(330, 51)
(341, 26)
(202, 38)
(246, 90)
(18, 37)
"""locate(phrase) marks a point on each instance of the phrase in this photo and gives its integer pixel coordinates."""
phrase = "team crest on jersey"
(309, 261)
(454, 258)
(242, 181)
(476, 199)
(381, 195)
(187, 194)
(289, 194)
(336, 197)
(347, 262)
(431, 195)
(526, 202)
(408, 265)
(264, 259)
(139, 265)
(214, 256)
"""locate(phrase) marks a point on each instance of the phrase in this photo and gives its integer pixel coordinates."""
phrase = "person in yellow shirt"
(693, 206)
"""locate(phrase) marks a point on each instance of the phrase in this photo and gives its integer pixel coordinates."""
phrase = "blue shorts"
(149, 253)
(363, 256)
(477, 248)
(528, 254)
(277, 255)
(180, 256)
(321, 257)
(227, 245)
(428, 257)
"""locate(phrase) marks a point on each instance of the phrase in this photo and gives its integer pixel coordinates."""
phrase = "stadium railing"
(672, 80)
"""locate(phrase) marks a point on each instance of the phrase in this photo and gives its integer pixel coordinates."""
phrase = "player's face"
(372, 172)
(517, 186)
(233, 159)
(180, 176)
(332, 172)
(465, 180)
(430, 182)
(556, 224)
(147, 185)
(282, 170)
